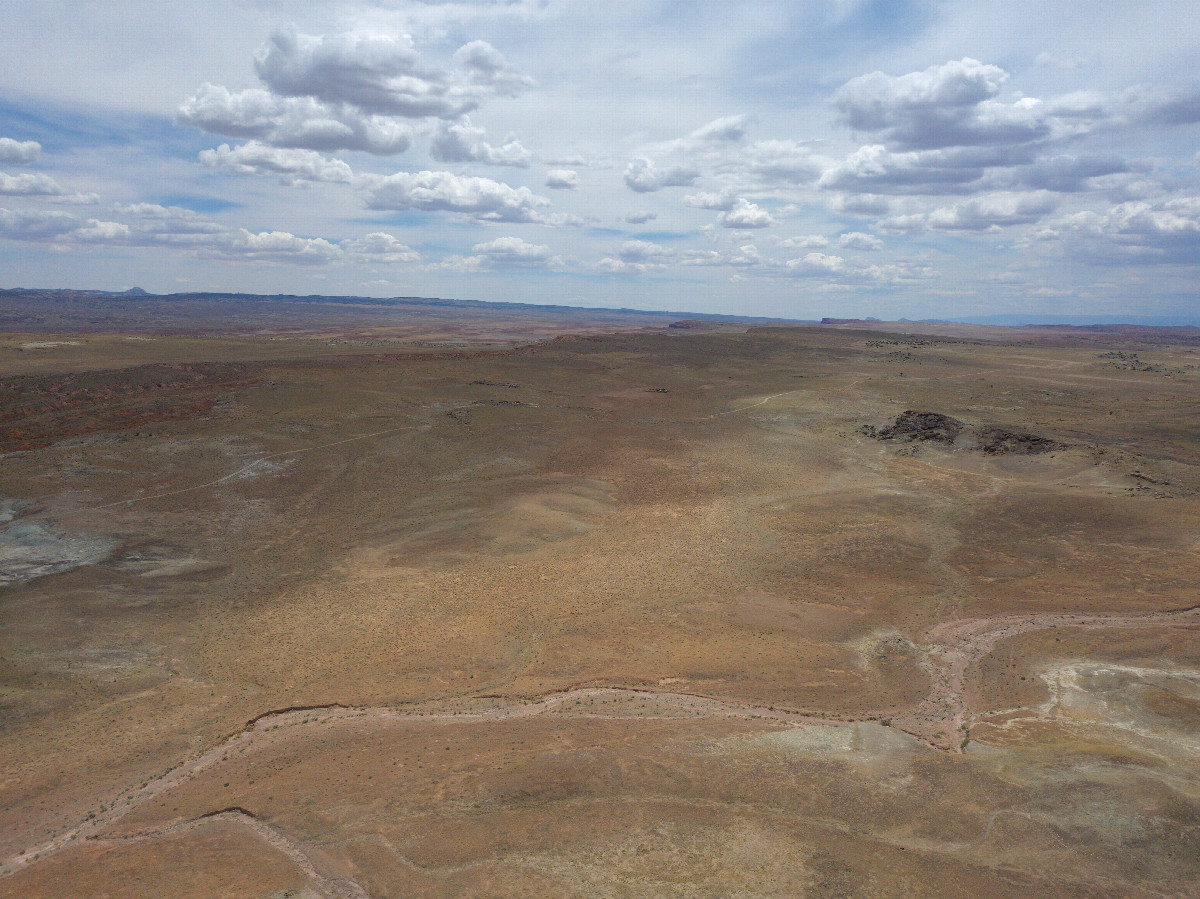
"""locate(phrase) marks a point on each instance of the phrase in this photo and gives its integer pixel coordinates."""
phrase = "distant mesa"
(135, 292)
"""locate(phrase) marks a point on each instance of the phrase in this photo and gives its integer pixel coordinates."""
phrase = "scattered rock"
(1123, 361)
(998, 442)
(911, 426)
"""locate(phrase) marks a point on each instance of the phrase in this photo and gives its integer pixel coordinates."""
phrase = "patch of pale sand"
(153, 568)
(1158, 704)
(858, 741)
(31, 549)
(49, 344)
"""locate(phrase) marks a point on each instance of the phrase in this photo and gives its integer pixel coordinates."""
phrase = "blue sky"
(845, 157)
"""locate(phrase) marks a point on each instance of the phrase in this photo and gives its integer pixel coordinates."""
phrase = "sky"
(808, 158)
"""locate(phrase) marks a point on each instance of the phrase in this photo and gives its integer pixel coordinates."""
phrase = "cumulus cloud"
(1070, 174)
(744, 257)
(506, 253)
(857, 240)
(780, 162)
(42, 187)
(150, 225)
(815, 264)
(380, 246)
(292, 166)
(270, 246)
(354, 91)
(486, 66)
(36, 226)
(636, 257)
(875, 169)
(1160, 107)
(724, 200)
(735, 211)
(861, 204)
(986, 213)
(804, 243)
(1166, 232)
(301, 122)
(943, 106)
(166, 220)
(643, 176)
(643, 251)
(19, 152)
(462, 142)
(610, 266)
(562, 179)
(99, 231)
(744, 214)
(29, 184)
(379, 74)
(640, 217)
(480, 198)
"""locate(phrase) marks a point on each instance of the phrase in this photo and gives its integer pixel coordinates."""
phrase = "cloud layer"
(792, 156)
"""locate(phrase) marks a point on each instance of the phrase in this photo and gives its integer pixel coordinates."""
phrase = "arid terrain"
(349, 603)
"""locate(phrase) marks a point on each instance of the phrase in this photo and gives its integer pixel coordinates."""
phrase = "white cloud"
(291, 165)
(726, 129)
(1167, 231)
(724, 201)
(610, 266)
(354, 91)
(380, 74)
(643, 251)
(860, 204)
(41, 187)
(36, 226)
(30, 184)
(640, 217)
(804, 243)
(506, 253)
(943, 106)
(857, 240)
(166, 220)
(486, 66)
(19, 152)
(462, 142)
(301, 122)
(985, 213)
(744, 257)
(954, 170)
(1069, 174)
(270, 246)
(815, 264)
(781, 162)
(151, 225)
(480, 198)
(744, 214)
(562, 179)
(99, 231)
(643, 176)
(380, 246)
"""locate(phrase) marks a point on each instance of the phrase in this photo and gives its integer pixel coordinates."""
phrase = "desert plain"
(446, 601)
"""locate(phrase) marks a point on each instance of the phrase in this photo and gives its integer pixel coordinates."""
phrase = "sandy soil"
(621, 614)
